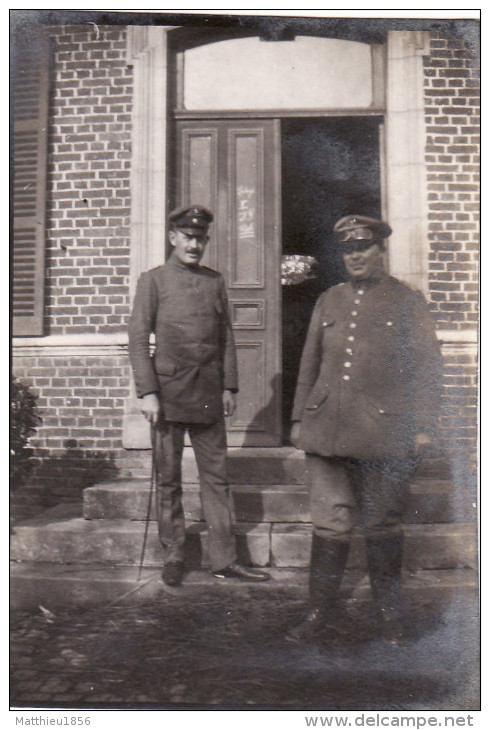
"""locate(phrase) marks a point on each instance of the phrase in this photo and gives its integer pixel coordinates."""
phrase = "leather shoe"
(235, 570)
(172, 573)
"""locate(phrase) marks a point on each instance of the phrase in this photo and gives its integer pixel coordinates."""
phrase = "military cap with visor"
(191, 219)
(360, 231)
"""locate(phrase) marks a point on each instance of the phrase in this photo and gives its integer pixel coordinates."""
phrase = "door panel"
(233, 167)
(246, 164)
(198, 172)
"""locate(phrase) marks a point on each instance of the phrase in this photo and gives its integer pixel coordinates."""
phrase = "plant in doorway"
(296, 268)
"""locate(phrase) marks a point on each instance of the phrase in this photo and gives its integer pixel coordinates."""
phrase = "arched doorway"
(382, 85)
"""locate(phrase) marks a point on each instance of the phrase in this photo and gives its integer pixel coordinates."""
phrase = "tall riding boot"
(327, 565)
(384, 559)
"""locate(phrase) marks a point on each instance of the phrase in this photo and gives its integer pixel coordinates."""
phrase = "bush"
(24, 420)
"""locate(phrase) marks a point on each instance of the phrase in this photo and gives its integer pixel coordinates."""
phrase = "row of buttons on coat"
(351, 338)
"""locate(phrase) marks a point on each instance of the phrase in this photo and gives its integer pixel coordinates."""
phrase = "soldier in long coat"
(188, 384)
(365, 409)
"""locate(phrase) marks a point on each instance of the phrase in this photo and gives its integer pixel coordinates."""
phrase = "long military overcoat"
(370, 374)
(194, 359)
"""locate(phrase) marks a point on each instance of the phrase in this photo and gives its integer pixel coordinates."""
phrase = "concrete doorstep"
(57, 586)
(60, 535)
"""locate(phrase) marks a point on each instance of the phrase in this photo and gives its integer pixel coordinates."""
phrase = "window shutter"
(30, 107)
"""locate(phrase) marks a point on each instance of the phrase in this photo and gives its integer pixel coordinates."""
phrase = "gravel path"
(228, 651)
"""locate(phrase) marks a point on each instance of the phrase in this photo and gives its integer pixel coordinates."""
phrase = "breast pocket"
(388, 326)
(389, 343)
(327, 323)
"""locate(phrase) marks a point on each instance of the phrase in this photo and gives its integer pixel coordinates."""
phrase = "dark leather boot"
(173, 572)
(384, 559)
(327, 565)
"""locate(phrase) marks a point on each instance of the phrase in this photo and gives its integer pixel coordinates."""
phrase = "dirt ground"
(226, 650)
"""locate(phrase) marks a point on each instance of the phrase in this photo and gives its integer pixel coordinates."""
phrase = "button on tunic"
(195, 359)
(369, 404)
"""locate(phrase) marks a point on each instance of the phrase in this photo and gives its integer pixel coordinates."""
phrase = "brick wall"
(452, 121)
(81, 400)
(88, 182)
(459, 411)
(87, 261)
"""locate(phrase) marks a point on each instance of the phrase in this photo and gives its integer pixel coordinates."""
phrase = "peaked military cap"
(360, 227)
(192, 218)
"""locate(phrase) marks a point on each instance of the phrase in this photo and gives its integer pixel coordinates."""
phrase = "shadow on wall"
(62, 477)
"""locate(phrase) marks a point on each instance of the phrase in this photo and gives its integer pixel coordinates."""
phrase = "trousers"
(209, 444)
(341, 489)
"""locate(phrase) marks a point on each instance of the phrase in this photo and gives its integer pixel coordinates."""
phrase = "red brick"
(95, 166)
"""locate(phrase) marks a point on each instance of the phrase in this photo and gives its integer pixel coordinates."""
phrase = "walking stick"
(152, 487)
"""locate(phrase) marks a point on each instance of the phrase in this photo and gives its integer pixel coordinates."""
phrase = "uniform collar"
(176, 263)
(370, 283)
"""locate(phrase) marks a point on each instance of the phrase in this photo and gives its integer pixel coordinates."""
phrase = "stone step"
(58, 586)
(281, 465)
(61, 535)
(250, 503)
(427, 547)
(432, 500)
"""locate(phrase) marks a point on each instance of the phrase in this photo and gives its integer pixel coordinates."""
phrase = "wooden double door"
(233, 168)
(317, 170)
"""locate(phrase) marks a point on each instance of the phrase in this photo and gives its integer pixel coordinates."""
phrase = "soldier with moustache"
(188, 385)
(365, 411)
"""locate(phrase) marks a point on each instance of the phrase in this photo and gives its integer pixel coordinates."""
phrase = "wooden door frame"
(405, 170)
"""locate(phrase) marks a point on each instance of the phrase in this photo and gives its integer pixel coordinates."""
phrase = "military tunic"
(194, 360)
(370, 372)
